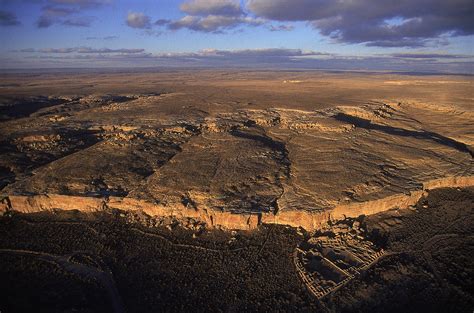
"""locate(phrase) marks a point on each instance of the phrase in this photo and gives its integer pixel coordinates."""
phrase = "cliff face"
(224, 219)
(50, 202)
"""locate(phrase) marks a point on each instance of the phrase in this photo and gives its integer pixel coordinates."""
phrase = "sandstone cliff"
(309, 220)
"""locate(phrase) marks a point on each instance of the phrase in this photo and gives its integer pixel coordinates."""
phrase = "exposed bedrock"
(222, 219)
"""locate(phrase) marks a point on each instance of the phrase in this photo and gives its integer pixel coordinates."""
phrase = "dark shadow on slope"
(6, 176)
(18, 158)
(265, 140)
(423, 135)
(17, 108)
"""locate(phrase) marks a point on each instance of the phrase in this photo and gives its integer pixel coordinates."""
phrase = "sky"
(401, 35)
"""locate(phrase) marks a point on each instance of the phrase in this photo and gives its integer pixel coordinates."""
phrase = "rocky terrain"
(229, 164)
(231, 151)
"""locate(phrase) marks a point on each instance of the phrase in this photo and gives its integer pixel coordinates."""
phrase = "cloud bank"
(67, 12)
(384, 23)
(210, 16)
(276, 58)
(82, 50)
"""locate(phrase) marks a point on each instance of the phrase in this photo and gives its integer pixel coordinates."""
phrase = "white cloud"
(138, 20)
(212, 23)
(212, 7)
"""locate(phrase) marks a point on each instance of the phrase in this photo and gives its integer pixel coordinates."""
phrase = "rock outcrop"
(309, 220)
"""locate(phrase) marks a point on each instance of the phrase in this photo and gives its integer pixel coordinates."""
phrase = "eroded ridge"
(333, 256)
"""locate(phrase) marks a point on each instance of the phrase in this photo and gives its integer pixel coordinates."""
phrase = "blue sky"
(423, 35)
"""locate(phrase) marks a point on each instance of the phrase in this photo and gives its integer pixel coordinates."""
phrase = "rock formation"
(195, 153)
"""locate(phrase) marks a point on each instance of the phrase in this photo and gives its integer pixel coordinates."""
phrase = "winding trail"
(182, 245)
